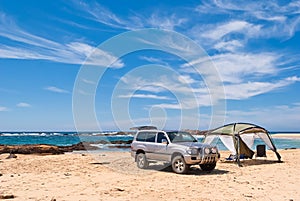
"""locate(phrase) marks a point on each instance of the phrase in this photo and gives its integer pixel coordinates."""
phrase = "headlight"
(192, 151)
(214, 150)
(206, 150)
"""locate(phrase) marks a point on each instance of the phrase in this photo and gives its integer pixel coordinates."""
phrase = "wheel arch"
(139, 151)
(176, 154)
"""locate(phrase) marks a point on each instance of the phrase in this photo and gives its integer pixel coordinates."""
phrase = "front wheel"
(141, 161)
(208, 167)
(178, 165)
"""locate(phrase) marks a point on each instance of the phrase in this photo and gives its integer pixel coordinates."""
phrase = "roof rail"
(144, 128)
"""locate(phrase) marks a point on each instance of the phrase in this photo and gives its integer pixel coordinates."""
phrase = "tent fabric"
(238, 137)
(244, 150)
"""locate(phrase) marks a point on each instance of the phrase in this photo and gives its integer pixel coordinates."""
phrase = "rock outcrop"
(43, 148)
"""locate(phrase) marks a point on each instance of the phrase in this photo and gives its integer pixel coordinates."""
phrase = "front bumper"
(204, 159)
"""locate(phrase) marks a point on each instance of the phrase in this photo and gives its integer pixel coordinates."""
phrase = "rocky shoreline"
(53, 149)
(42, 148)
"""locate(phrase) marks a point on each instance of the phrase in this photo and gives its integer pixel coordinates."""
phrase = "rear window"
(146, 137)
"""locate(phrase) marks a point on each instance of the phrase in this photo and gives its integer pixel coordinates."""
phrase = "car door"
(161, 147)
(150, 144)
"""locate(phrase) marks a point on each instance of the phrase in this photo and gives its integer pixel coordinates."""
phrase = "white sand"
(114, 176)
(286, 135)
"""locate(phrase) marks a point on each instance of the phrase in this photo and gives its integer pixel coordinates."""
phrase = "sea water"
(97, 139)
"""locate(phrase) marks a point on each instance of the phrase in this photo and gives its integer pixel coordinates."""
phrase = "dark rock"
(119, 189)
(43, 149)
(11, 156)
(8, 196)
(52, 149)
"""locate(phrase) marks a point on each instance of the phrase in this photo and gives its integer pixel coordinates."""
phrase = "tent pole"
(238, 150)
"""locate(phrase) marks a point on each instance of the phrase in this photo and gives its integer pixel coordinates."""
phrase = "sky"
(250, 49)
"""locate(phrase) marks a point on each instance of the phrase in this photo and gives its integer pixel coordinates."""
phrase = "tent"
(239, 138)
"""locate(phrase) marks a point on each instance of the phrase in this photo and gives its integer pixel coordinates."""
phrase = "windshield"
(178, 136)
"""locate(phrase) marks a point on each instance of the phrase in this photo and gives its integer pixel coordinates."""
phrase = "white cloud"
(56, 89)
(162, 61)
(148, 96)
(22, 104)
(236, 26)
(235, 67)
(88, 81)
(231, 45)
(270, 17)
(175, 106)
(169, 22)
(246, 90)
(3, 109)
(276, 19)
(186, 79)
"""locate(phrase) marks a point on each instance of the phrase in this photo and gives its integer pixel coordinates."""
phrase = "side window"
(160, 137)
(141, 136)
(146, 137)
(150, 137)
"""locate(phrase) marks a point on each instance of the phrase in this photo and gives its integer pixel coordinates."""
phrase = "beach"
(114, 176)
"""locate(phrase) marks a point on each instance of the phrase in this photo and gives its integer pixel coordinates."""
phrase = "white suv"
(179, 148)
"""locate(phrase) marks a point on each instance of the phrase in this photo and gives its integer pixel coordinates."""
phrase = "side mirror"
(164, 141)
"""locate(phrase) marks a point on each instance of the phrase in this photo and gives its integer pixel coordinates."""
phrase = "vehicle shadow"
(193, 170)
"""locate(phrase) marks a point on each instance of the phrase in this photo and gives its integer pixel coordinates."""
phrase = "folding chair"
(261, 151)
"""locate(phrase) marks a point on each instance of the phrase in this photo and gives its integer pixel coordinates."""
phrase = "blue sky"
(254, 46)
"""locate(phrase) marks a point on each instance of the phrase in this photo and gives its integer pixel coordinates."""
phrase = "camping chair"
(261, 151)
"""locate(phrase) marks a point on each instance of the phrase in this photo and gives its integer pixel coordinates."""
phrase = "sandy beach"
(114, 176)
(287, 135)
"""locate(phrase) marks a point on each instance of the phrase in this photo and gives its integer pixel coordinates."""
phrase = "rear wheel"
(178, 165)
(141, 161)
(208, 167)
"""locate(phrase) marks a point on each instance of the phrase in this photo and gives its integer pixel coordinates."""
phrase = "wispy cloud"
(98, 13)
(56, 89)
(3, 109)
(23, 104)
(30, 46)
(246, 90)
(275, 19)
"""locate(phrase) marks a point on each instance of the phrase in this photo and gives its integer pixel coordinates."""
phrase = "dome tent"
(238, 137)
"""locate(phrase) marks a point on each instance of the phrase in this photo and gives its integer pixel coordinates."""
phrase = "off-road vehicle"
(178, 148)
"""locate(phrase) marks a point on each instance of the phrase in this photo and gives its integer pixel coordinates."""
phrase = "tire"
(178, 165)
(141, 161)
(208, 167)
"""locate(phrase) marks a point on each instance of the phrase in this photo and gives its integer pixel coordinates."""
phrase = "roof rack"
(144, 128)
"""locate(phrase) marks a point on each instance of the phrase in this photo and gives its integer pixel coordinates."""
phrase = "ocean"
(111, 141)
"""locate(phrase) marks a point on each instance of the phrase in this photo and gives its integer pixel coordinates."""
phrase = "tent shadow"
(250, 162)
